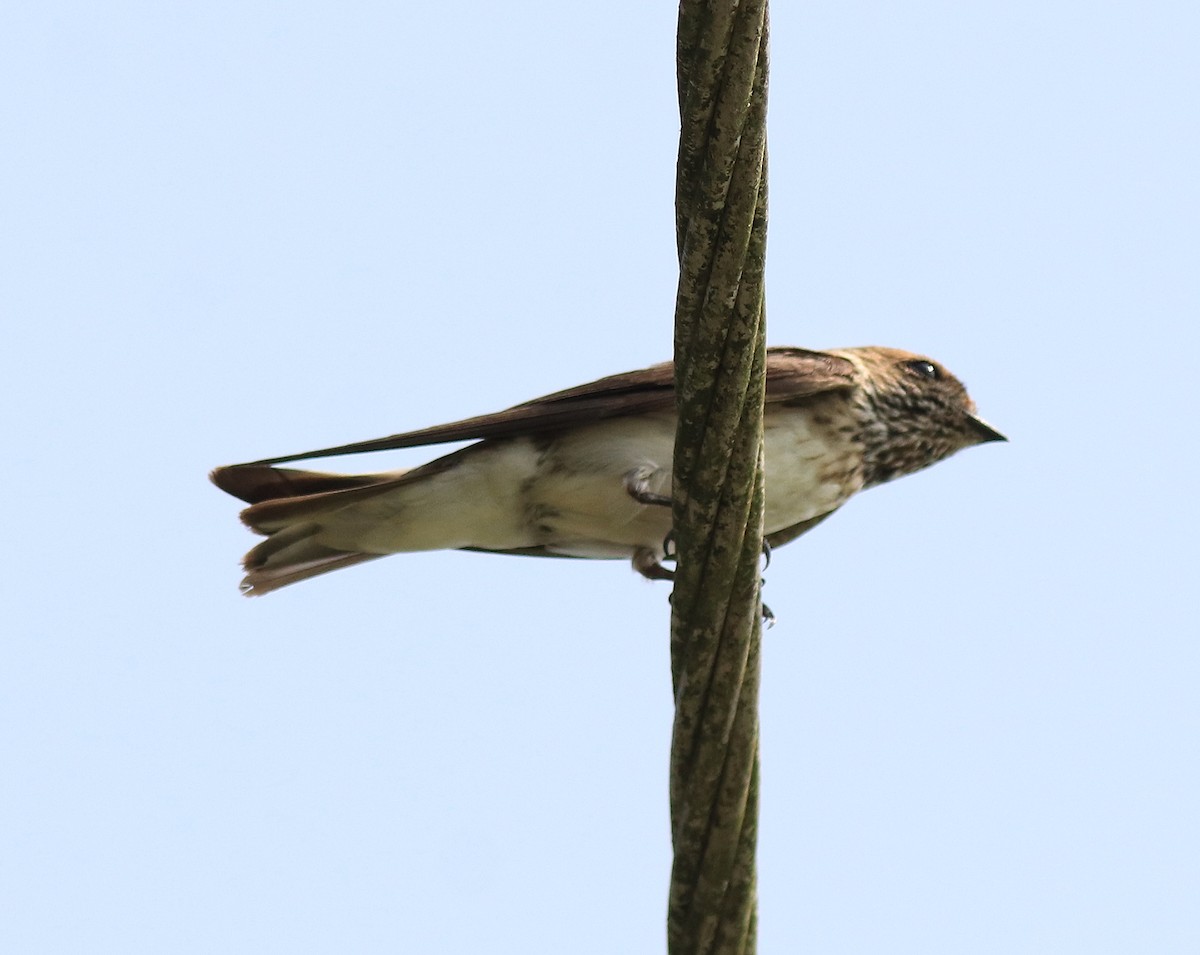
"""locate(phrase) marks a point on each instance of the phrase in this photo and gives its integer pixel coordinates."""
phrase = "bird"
(587, 472)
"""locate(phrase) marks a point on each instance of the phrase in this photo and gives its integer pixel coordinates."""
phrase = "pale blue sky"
(233, 230)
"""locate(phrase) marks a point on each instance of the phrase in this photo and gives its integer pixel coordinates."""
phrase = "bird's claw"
(668, 546)
(647, 564)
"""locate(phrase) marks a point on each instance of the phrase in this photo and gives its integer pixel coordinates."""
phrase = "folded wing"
(792, 373)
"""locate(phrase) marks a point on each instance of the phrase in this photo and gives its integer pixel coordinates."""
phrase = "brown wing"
(791, 373)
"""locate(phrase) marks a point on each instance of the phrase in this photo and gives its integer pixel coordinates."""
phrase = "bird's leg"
(637, 484)
(646, 563)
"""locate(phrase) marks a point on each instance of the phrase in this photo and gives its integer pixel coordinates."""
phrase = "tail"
(286, 505)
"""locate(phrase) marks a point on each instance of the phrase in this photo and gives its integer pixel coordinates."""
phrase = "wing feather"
(792, 373)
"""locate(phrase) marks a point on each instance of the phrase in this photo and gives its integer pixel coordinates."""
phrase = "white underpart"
(571, 496)
(580, 497)
(474, 503)
(808, 469)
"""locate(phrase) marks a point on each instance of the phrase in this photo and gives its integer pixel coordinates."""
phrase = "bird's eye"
(923, 369)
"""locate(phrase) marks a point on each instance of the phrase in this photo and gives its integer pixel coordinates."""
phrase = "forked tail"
(286, 506)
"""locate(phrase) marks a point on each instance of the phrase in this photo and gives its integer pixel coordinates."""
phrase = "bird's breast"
(813, 462)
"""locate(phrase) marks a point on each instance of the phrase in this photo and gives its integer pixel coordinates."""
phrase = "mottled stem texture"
(721, 224)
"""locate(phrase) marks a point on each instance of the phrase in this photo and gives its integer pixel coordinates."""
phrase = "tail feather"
(281, 497)
(259, 582)
(291, 555)
(256, 483)
(272, 516)
(285, 505)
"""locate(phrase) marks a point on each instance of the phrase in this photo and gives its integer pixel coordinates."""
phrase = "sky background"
(233, 230)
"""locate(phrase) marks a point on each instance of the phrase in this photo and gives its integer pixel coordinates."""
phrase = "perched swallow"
(586, 472)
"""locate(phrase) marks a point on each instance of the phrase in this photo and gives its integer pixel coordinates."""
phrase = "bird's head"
(917, 413)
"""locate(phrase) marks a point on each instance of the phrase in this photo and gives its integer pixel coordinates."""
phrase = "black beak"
(983, 431)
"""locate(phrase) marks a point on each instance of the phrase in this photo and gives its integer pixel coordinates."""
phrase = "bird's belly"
(579, 504)
(594, 515)
(571, 496)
